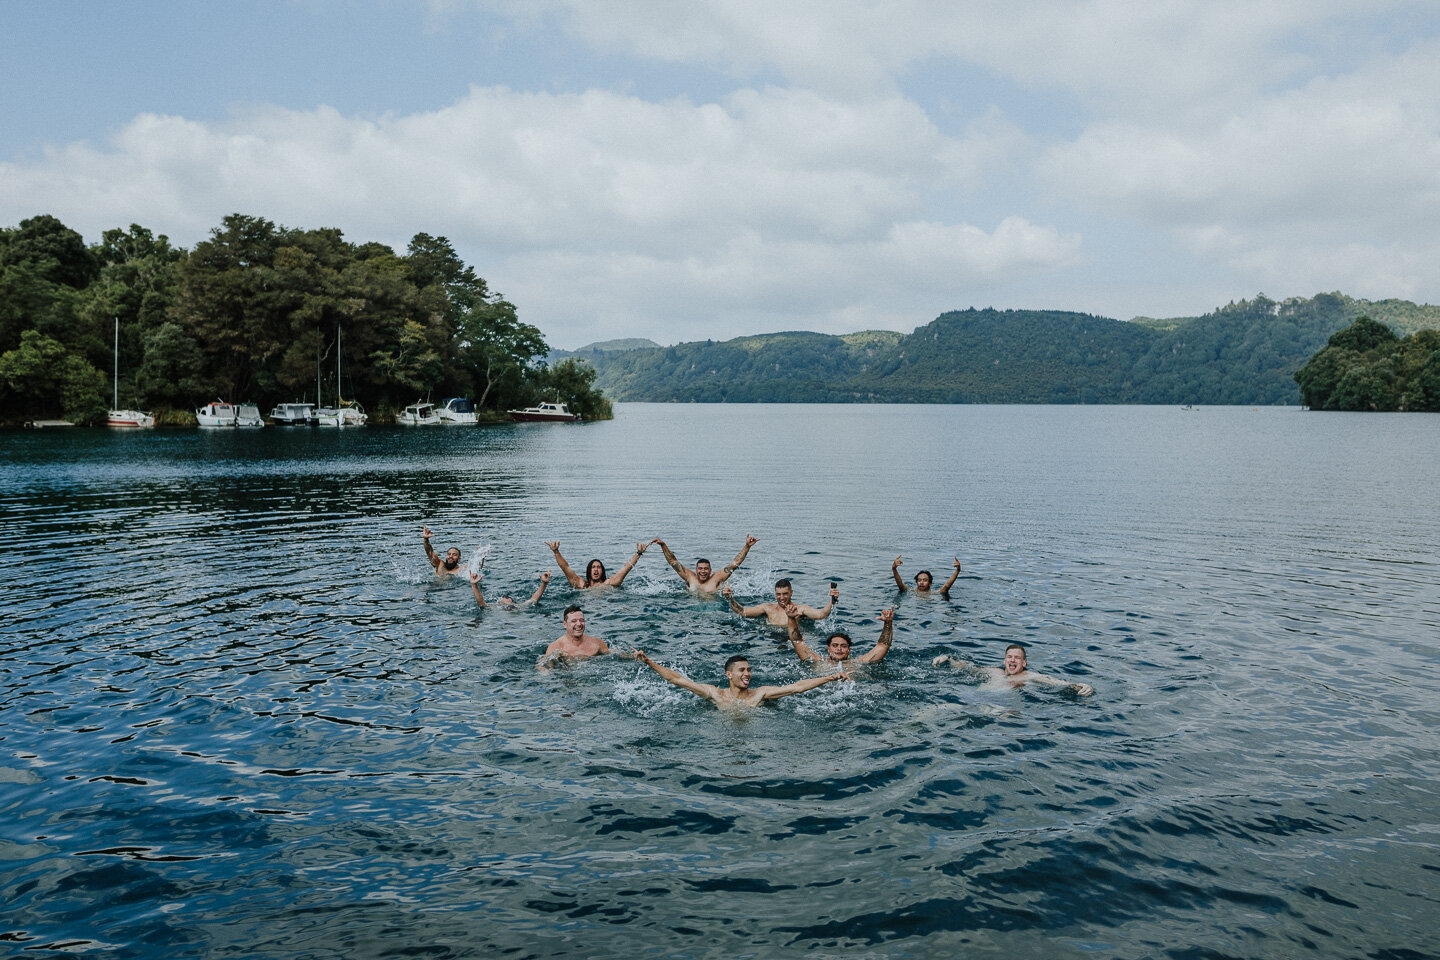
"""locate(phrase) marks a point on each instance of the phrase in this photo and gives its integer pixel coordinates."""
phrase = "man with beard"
(702, 579)
(1014, 673)
(738, 694)
(444, 566)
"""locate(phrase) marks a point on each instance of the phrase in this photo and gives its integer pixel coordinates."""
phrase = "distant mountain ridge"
(1242, 353)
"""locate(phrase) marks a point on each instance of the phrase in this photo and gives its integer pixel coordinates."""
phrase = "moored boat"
(248, 415)
(348, 414)
(543, 413)
(217, 414)
(293, 414)
(457, 410)
(419, 414)
(124, 418)
(129, 418)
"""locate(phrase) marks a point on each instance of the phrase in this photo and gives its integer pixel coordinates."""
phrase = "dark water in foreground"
(238, 717)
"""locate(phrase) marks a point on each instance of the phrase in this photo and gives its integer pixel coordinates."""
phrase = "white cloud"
(771, 193)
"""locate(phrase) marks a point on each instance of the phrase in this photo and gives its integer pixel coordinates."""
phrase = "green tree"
(40, 378)
(572, 382)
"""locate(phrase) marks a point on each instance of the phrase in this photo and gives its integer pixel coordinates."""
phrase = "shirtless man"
(443, 566)
(1015, 673)
(574, 643)
(923, 579)
(837, 646)
(506, 601)
(700, 579)
(775, 612)
(738, 694)
(594, 570)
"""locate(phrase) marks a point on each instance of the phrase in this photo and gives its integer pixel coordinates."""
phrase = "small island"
(1367, 367)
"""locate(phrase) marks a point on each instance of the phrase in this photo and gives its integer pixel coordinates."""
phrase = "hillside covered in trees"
(1243, 353)
(1366, 367)
(256, 313)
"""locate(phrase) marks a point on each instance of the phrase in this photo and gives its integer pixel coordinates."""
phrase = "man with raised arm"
(702, 578)
(837, 646)
(444, 566)
(475, 579)
(738, 694)
(923, 579)
(574, 643)
(1015, 673)
(594, 570)
(775, 612)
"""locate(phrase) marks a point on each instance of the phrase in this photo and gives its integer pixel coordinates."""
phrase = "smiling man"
(574, 643)
(837, 645)
(703, 579)
(739, 693)
(1015, 672)
(444, 566)
(775, 612)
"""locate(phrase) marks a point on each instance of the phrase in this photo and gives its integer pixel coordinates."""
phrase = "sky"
(717, 168)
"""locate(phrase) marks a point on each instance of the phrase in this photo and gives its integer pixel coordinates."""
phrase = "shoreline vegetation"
(1246, 353)
(255, 313)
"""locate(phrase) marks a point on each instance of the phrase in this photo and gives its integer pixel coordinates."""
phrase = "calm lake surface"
(239, 716)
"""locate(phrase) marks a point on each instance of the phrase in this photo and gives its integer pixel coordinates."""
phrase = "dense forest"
(1367, 367)
(1243, 353)
(256, 313)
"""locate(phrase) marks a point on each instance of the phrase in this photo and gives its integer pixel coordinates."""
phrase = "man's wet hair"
(573, 608)
(1016, 646)
(590, 563)
(782, 582)
(924, 573)
(704, 561)
(842, 635)
(738, 658)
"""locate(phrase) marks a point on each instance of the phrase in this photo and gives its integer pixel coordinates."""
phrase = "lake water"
(239, 717)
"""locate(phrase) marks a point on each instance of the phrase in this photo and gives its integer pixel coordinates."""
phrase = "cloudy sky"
(713, 168)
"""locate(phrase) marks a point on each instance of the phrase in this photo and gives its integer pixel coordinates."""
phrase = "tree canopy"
(256, 312)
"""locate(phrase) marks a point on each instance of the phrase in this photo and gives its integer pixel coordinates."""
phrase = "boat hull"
(524, 416)
(130, 419)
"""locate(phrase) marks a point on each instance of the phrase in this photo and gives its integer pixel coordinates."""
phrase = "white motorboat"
(348, 414)
(217, 414)
(293, 414)
(421, 414)
(543, 413)
(124, 418)
(248, 415)
(457, 410)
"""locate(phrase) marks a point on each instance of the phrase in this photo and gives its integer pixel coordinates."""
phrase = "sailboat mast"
(115, 379)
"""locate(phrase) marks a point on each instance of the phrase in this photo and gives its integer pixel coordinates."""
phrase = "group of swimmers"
(576, 644)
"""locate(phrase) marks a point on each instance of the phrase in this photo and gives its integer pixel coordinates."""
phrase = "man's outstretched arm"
(799, 686)
(797, 642)
(540, 590)
(953, 577)
(475, 587)
(677, 678)
(734, 565)
(429, 550)
(674, 562)
(895, 572)
(743, 611)
(887, 636)
(570, 575)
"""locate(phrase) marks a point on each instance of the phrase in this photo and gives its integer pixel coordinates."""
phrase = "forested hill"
(1242, 353)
